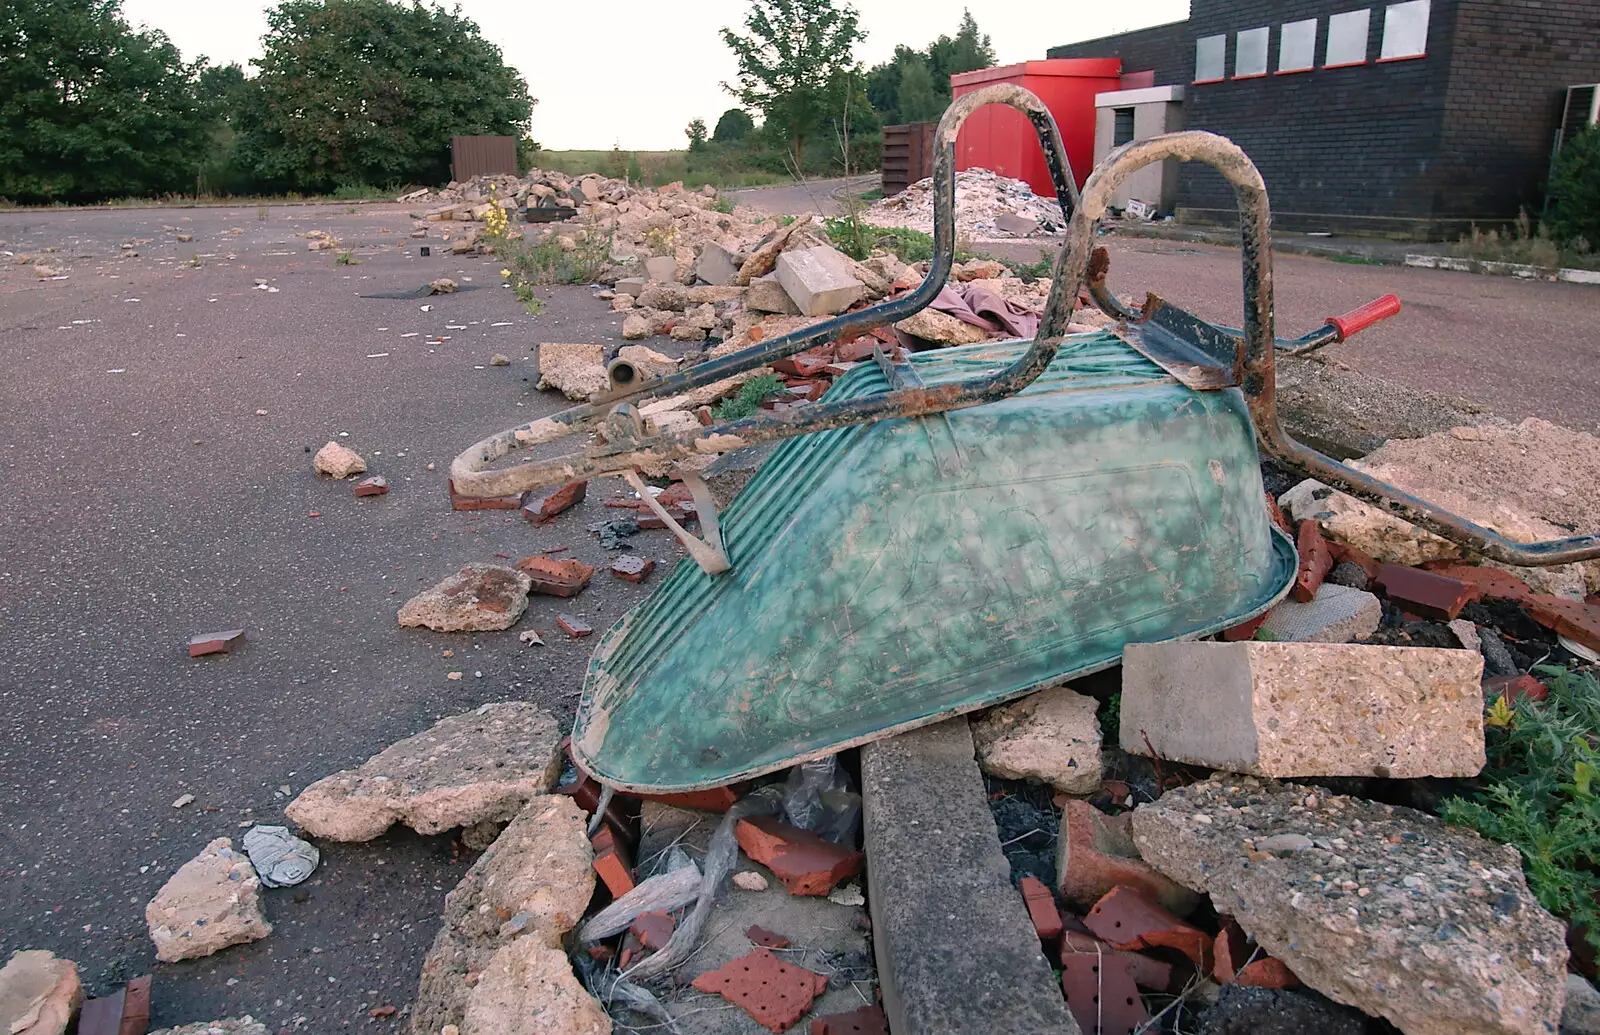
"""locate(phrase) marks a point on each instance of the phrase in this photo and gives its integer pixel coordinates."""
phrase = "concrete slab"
(956, 951)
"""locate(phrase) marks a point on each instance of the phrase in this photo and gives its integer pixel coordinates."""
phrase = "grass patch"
(656, 168)
(859, 239)
(346, 259)
(1540, 795)
(544, 259)
(749, 398)
(1527, 243)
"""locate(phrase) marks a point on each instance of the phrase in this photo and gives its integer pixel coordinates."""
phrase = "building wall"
(1512, 62)
(1167, 49)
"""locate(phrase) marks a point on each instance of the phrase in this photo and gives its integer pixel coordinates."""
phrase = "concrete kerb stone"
(956, 949)
(819, 280)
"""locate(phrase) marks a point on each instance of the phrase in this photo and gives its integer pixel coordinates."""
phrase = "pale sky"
(634, 72)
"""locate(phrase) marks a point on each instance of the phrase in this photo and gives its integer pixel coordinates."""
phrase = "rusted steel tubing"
(1259, 375)
(470, 479)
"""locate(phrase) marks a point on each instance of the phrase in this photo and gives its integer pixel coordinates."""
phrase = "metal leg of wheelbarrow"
(955, 948)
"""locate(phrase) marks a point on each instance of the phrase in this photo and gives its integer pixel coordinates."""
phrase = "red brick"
(202, 644)
(1316, 560)
(653, 929)
(541, 510)
(377, 485)
(774, 993)
(1231, 949)
(1129, 921)
(1098, 855)
(136, 1007)
(1275, 512)
(1575, 619)
(556, 578)
(632, 568)
(704, 416)
(867, 1020)
(1102, 995)
(1245, 630)
(765, 938)
(809, 363)
(1492, 583)
(460, 502)
(804, 862)
(611, 862)
(630, 951)
(1344, 553)
(573, 626)
(1514, 688)
(1146, 971)
(715, 799)
(1425, 593)
(1041, 908)
(622, 817)
(1267, 973)
(840, 368)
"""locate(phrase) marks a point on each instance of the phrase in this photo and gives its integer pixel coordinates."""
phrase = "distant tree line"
(347, 94)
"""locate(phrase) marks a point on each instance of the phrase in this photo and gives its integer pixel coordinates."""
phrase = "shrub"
(1574, 210)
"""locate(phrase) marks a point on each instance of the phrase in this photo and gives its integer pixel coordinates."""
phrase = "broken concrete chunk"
(1581, 1013)
(819, 280)
(1390, 911)
(941, 329)
(1337, 614)
(765, 255)
(766, 295)
(477, 767)
(1015, 225)
(336, 461)
(718, 264)
(1095, 853)
(499, 359)
(648, 361)
(530, 888)
(636, 327)
(575, 370)
(212, 902)
(1305, 709)
(478, 598)
(662, 269)
(38, 993)
(1051, 737)
(529, 989)
(202, 644)
(630, 286)
(245, 1025)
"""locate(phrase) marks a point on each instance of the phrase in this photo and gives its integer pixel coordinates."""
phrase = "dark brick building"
(1409, 118)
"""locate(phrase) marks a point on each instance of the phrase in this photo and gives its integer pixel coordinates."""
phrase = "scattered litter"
(280, 858)
(183, 800)
(531, 638)
(614, 533)
(499, 359)
(411, 334)
(426, 308)
(849, 895)
(750, 880)
(118, 370)
(261, 413)
(453, 676)
(215, 643)
(376, 355)
(502, 323)
(981, 197)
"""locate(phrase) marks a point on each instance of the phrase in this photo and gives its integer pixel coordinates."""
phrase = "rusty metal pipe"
(469, 472)
(1259, 374)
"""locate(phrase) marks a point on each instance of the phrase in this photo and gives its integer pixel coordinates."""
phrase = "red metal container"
(1000, 138)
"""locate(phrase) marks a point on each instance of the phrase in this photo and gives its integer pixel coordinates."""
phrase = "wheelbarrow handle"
(632, 447)
(1259, 374)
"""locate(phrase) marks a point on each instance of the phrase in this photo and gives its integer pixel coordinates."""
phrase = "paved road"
(820, 197)
(147, 501)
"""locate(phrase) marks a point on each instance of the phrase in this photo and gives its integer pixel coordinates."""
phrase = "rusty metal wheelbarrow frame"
(1200, 354)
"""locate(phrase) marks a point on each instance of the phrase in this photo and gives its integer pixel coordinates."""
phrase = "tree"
(918, 100)
(793, 52)
(696, 134)
(91, 109)
(946, 56)
(969, 51)
(368, 91)
(733, 127)
(1575, 190)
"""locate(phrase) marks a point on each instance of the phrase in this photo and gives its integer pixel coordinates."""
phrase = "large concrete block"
(956, 949)
(662, 269)
(717, 264)
(819, 280)
(1305, 709)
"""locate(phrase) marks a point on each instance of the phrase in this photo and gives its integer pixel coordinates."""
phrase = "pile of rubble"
(988, 205)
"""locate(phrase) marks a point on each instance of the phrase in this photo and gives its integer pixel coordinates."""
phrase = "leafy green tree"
(1574, 211)
(793, 52)
(91, 109)
(733, 127)
(968, 50)
(696, 134)
(918, 100)
(368, 91)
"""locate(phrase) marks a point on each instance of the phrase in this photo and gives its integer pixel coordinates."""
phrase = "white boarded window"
(1347, 39)
(1250, 53)
(1297, 46)
(1405, 30)
(1210, 58)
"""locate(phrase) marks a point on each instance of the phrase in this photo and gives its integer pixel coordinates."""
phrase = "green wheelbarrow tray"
(888, 575)
(946, 533)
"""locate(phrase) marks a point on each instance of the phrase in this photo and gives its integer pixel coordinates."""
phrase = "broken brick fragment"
(1041, 908)
(1128, 920)
(1245, 630)
(460, 502)
(1267, 973)
(1424, 592)
(202, 644)
(714, 799)
(1344, 553)
(804, 862)
(1514, 689)
(1575, 619)
(867, 1020)
(1102, 994)
(774, 993)
(573, 626)
(556, 578)
(1095, 853)
(630, 567)
(1146, 971)
(1316, 560)
(1230, 950)
(1275, 512)
(653, 929)
(1492, 583)
(765, 938)
(125, 1012)
(377, 485)
(809, 363)
(611, 862)
(541, 510)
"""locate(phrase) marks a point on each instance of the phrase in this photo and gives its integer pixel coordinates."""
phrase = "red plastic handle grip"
(1357, 320)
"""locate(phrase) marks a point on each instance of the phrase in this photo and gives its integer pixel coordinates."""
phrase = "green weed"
(346, 259)
(749, 398)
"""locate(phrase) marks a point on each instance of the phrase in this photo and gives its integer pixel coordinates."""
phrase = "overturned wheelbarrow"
(962, 527)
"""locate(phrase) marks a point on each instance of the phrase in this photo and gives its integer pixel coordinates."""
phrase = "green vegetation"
(1534, 245)
(1541, 796)
(547, 258)
(914, 85)
(749, 397)
(858, 239)
(1574, 212)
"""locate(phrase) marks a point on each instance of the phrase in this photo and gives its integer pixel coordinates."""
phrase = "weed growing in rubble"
(261, 213)
(661, 240)
(194, 261)
(346, 259)
(1541, 797)
(750, 397)
(724, 204)
(859, 239)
